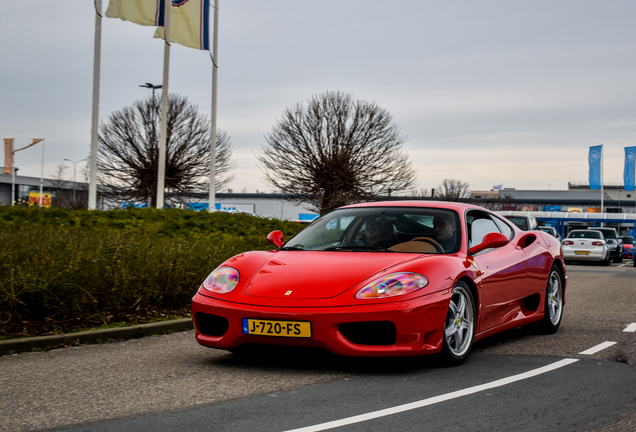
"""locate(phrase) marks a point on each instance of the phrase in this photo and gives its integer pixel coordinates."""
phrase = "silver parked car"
(586, 245)
(550, 230)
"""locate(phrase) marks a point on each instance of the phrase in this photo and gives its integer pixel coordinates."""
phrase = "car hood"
(318, 275)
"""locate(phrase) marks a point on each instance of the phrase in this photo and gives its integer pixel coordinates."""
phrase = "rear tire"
(553, 305)
(459, 326)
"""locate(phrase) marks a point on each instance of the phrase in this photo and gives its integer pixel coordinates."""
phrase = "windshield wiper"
(361, 248)
(292, 248)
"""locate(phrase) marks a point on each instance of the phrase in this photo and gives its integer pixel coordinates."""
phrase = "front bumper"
(614, 251)
(419, 325)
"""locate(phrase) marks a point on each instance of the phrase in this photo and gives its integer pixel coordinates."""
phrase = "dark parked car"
(524, 223)
(614, 243)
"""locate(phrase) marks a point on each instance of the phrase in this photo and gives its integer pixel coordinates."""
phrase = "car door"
(503, 272)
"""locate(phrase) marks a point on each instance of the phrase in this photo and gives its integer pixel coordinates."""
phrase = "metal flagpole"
(602, 192)
(92, 183)
(215, 60)
(161, 171)
(42, 174)
(13, 187)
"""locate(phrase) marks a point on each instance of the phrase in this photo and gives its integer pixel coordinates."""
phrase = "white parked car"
(587, 245)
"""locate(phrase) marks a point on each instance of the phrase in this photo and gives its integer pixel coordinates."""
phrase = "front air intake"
(211, 325)
(369, 333)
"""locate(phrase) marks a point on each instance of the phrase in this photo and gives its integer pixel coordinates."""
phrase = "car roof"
(584, 230)
(451, 205)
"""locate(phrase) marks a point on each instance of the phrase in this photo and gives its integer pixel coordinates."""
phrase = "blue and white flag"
(497, 187)
(190, 25)
(595, 157)
(629, 173)
(190, 19)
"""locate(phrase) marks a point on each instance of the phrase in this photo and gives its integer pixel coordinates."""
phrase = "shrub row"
(66, 269)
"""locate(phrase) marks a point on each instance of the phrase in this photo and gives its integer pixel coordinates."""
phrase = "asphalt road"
(169, 382)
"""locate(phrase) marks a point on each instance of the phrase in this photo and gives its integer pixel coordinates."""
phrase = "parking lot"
(151, 380)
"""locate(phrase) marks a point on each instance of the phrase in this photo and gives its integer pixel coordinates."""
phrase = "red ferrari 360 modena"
(396, 278)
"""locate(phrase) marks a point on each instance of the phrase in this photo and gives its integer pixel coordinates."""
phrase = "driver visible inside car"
(444, 226)
(378, 232)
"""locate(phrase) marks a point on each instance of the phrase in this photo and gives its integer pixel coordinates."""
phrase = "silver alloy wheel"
(554, 298)
(460, 322)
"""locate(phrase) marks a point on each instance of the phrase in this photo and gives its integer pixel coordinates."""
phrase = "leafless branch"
(335, 151)
(129, 150)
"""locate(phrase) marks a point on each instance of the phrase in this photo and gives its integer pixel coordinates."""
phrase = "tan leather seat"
(414, 246)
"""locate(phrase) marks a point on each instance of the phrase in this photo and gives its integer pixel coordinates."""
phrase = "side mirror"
(275, 238)
(491, 240)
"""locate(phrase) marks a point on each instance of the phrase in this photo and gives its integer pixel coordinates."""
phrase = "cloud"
(496, 91)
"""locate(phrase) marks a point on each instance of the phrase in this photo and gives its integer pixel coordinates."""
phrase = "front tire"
(459, 327)
(606, 261)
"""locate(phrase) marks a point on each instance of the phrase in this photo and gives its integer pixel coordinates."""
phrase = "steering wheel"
(438, 247)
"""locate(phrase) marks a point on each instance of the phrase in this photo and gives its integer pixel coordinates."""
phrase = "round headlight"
(222, 280)
(392, 285)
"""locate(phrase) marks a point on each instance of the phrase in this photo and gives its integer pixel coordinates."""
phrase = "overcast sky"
(486, 92)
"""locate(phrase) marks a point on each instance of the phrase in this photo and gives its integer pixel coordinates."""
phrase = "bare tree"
(452, 190)
(334, 151)
(68, 194)
(129, 151)
(419, 193)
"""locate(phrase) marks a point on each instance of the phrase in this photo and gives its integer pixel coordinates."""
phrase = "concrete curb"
(94, 336)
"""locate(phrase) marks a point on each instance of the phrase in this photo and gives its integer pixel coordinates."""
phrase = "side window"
(479, 224)
(503, 227)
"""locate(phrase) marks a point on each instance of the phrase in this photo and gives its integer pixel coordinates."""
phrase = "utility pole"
(74, 177)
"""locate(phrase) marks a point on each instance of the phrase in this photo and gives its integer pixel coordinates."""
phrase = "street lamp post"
(152, 87)
(74, 176)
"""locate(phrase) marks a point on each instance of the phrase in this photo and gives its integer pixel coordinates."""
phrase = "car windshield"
(608, 233)
(628, 240)
(585, 234)
(381, 229)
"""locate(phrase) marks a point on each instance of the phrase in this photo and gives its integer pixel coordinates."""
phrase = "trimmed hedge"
(66, 269)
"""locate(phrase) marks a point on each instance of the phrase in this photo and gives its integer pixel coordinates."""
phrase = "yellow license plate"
(582, 252)
(301, 329)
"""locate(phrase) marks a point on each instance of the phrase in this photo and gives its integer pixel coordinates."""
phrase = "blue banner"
(595, 166)
(629, 173)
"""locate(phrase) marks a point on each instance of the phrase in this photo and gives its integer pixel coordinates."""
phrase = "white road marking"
(435, 399)
(597, 348)
(630, 328)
